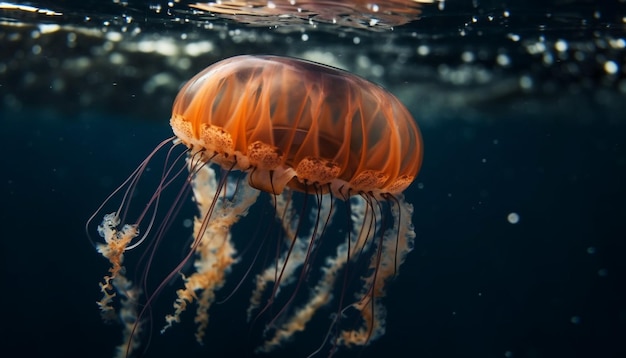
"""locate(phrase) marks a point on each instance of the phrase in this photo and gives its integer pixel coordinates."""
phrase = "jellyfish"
(329, 153)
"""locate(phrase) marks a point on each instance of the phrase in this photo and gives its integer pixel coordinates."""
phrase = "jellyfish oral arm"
(116, 283)
(215, 251)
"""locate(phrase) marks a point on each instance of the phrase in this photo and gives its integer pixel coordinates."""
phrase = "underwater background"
(519, 208)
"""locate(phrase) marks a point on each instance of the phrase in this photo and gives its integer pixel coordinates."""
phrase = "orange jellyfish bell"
(296, 123)
(293, 128)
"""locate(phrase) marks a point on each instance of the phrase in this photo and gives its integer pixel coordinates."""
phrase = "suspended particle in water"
(513, 218)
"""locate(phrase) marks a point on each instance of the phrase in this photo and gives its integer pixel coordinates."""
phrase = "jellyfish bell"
(292, 127)
(293, 123)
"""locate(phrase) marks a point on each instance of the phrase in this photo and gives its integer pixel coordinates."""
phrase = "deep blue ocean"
(519, 208)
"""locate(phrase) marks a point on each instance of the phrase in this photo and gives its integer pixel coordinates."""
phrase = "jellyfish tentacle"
(399, 240)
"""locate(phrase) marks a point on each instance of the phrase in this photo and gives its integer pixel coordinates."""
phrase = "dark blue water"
(475, 285)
